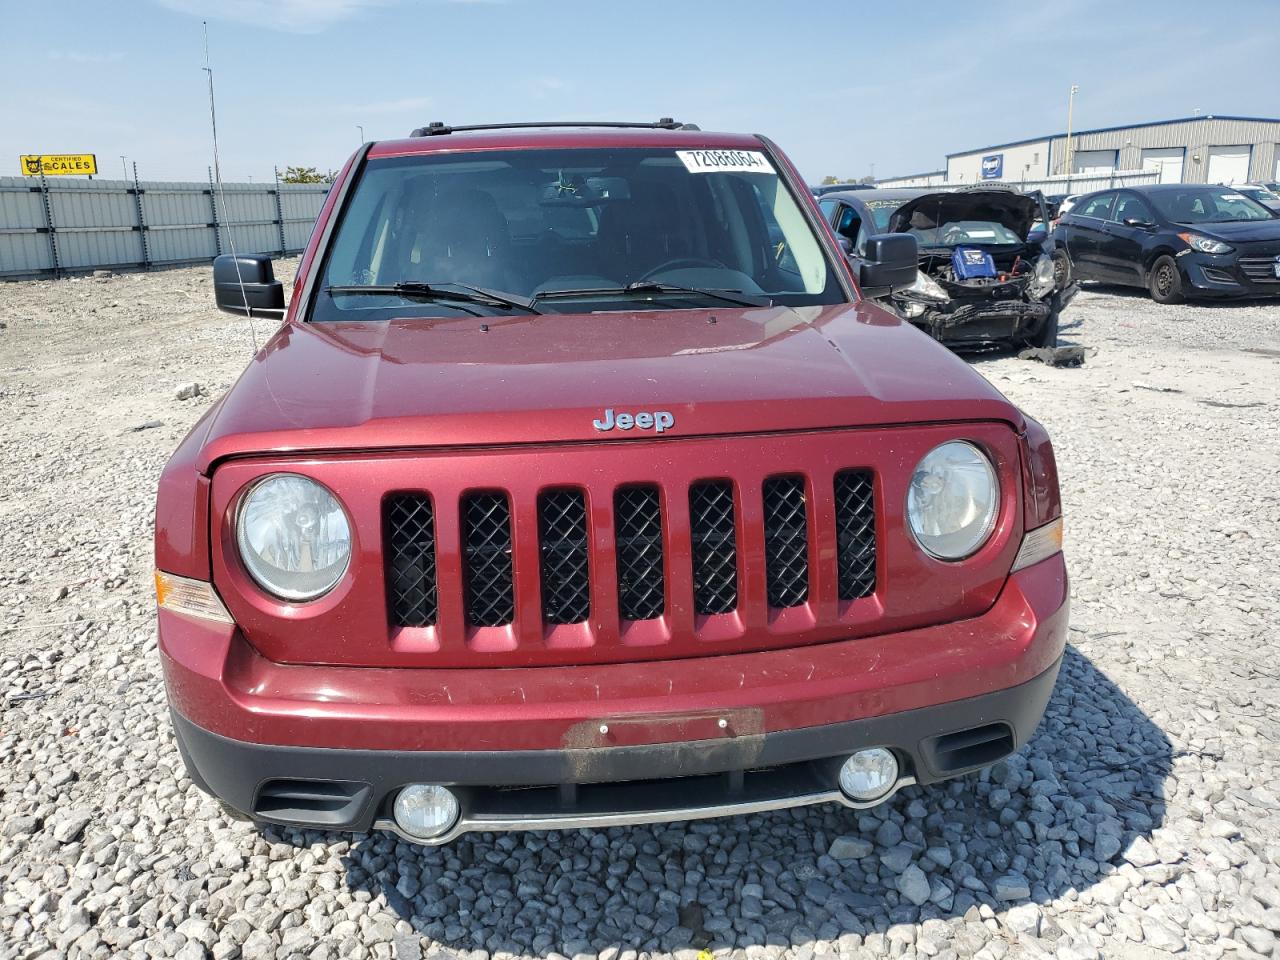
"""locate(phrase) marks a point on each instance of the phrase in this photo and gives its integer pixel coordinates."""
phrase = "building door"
(1166, 160)
(1275, 174)
(1228, 164)
(1093, 162)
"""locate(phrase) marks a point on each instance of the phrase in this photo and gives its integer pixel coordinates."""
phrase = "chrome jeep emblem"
(655, 420)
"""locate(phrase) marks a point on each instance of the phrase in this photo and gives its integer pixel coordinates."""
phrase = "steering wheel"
(684, 262)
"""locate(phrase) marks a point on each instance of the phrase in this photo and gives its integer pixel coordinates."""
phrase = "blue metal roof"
(1123, 126)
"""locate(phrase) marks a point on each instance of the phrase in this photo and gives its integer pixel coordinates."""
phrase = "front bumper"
(1206, 275)
(959, 322)
(329, 747)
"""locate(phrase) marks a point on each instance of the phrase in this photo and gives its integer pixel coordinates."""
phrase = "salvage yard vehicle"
(581, 487)
(987, 272)
(1177, 240)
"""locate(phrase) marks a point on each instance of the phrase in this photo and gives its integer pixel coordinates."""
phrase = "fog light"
(425, 811)
(869, 774)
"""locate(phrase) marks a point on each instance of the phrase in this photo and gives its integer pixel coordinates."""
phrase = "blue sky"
(839, 86)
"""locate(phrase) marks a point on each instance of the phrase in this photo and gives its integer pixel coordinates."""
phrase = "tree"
(829, 180)
(867, 180)
(306, 175)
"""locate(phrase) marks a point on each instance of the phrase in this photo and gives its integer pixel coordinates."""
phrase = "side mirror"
(1140, 224)
(890, 265)
(246, 285)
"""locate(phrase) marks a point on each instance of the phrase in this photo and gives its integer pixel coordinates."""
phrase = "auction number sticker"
(724, 161)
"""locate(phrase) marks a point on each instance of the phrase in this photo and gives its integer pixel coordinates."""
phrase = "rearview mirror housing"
(890, 264)
(246, 285)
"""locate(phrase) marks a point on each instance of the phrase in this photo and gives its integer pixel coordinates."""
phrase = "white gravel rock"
(1142, 818)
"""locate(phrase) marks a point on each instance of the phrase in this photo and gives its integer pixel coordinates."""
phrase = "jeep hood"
(451, 382)
(1017, 211)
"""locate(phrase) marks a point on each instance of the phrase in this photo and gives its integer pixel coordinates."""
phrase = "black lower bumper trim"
(932, 743)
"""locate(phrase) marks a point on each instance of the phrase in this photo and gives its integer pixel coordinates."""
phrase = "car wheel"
(1061, 269)
(1164, 281)
(1047, 335)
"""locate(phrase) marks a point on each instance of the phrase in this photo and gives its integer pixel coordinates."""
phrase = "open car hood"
(1017, 211)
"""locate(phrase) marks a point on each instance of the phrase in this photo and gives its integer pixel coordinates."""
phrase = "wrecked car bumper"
(988, 321)
(330, 747)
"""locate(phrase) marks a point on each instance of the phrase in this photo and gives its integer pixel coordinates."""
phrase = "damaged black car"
(987, 272)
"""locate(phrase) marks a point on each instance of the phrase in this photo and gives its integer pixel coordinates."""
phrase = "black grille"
(409, 529)
(486, 553)
(638, 528)
(786, 541)
(1259, 269)
(855, 534)
(562, 538)
(715, 551)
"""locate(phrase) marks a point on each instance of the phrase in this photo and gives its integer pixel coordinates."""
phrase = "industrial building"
(1203, 149)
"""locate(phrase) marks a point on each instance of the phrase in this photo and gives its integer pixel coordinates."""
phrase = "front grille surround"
(1259, 269)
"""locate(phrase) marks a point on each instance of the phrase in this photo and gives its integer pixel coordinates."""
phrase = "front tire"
(1165, 282)
(1061, 269)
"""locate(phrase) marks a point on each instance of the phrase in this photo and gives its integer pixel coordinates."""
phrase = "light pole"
(360, 127)
(1071, 102)
(123, 168)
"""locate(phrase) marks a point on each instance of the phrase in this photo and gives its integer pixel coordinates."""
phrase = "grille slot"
(855, 534)
(715, 549)
(410, 537)
(1259, 269)
(638, 530)
(486, 552)
(562, 540)
(786, 541)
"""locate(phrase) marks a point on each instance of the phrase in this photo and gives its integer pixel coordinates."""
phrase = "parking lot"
(1143, 819)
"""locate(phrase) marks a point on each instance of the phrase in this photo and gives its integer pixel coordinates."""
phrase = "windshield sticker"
(1232, 196)
(724, 161)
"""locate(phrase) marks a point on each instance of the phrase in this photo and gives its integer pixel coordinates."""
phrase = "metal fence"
(53, 226)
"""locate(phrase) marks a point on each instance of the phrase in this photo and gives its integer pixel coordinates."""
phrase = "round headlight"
(294, 536)
(953, 500)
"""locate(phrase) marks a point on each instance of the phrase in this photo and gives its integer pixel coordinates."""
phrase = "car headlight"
(1044, 270)
(926, 288)
(953, 500)
(294, 536)
(1197, 241)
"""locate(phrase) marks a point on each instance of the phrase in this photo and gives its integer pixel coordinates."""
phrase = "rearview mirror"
(889, 265)
(246, 285)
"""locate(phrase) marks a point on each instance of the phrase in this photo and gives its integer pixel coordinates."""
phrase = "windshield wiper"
(416, 290)
(654, 286)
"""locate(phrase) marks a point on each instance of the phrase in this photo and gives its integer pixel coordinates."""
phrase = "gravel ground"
(1144, 818)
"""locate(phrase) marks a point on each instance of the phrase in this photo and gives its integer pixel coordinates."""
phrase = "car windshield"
(1208, 205)
(571, 230)
(882, 210)
(953, 232)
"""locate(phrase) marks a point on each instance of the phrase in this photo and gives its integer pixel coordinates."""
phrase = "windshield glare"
(527, 222)
(1208, 205)
(954, 232)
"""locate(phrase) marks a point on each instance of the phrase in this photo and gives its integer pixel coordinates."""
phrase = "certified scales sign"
(59, 164)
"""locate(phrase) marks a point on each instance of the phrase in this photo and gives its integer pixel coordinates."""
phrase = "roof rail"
(438, 129)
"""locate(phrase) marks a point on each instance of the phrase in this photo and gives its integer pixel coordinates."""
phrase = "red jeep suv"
(579, 486)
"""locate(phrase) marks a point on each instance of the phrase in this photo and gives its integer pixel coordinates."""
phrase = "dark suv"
(1177, 240)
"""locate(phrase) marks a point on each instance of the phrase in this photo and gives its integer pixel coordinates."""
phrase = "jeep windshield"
(570, 230)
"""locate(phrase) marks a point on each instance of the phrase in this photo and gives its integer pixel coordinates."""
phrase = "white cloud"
(291, 16)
